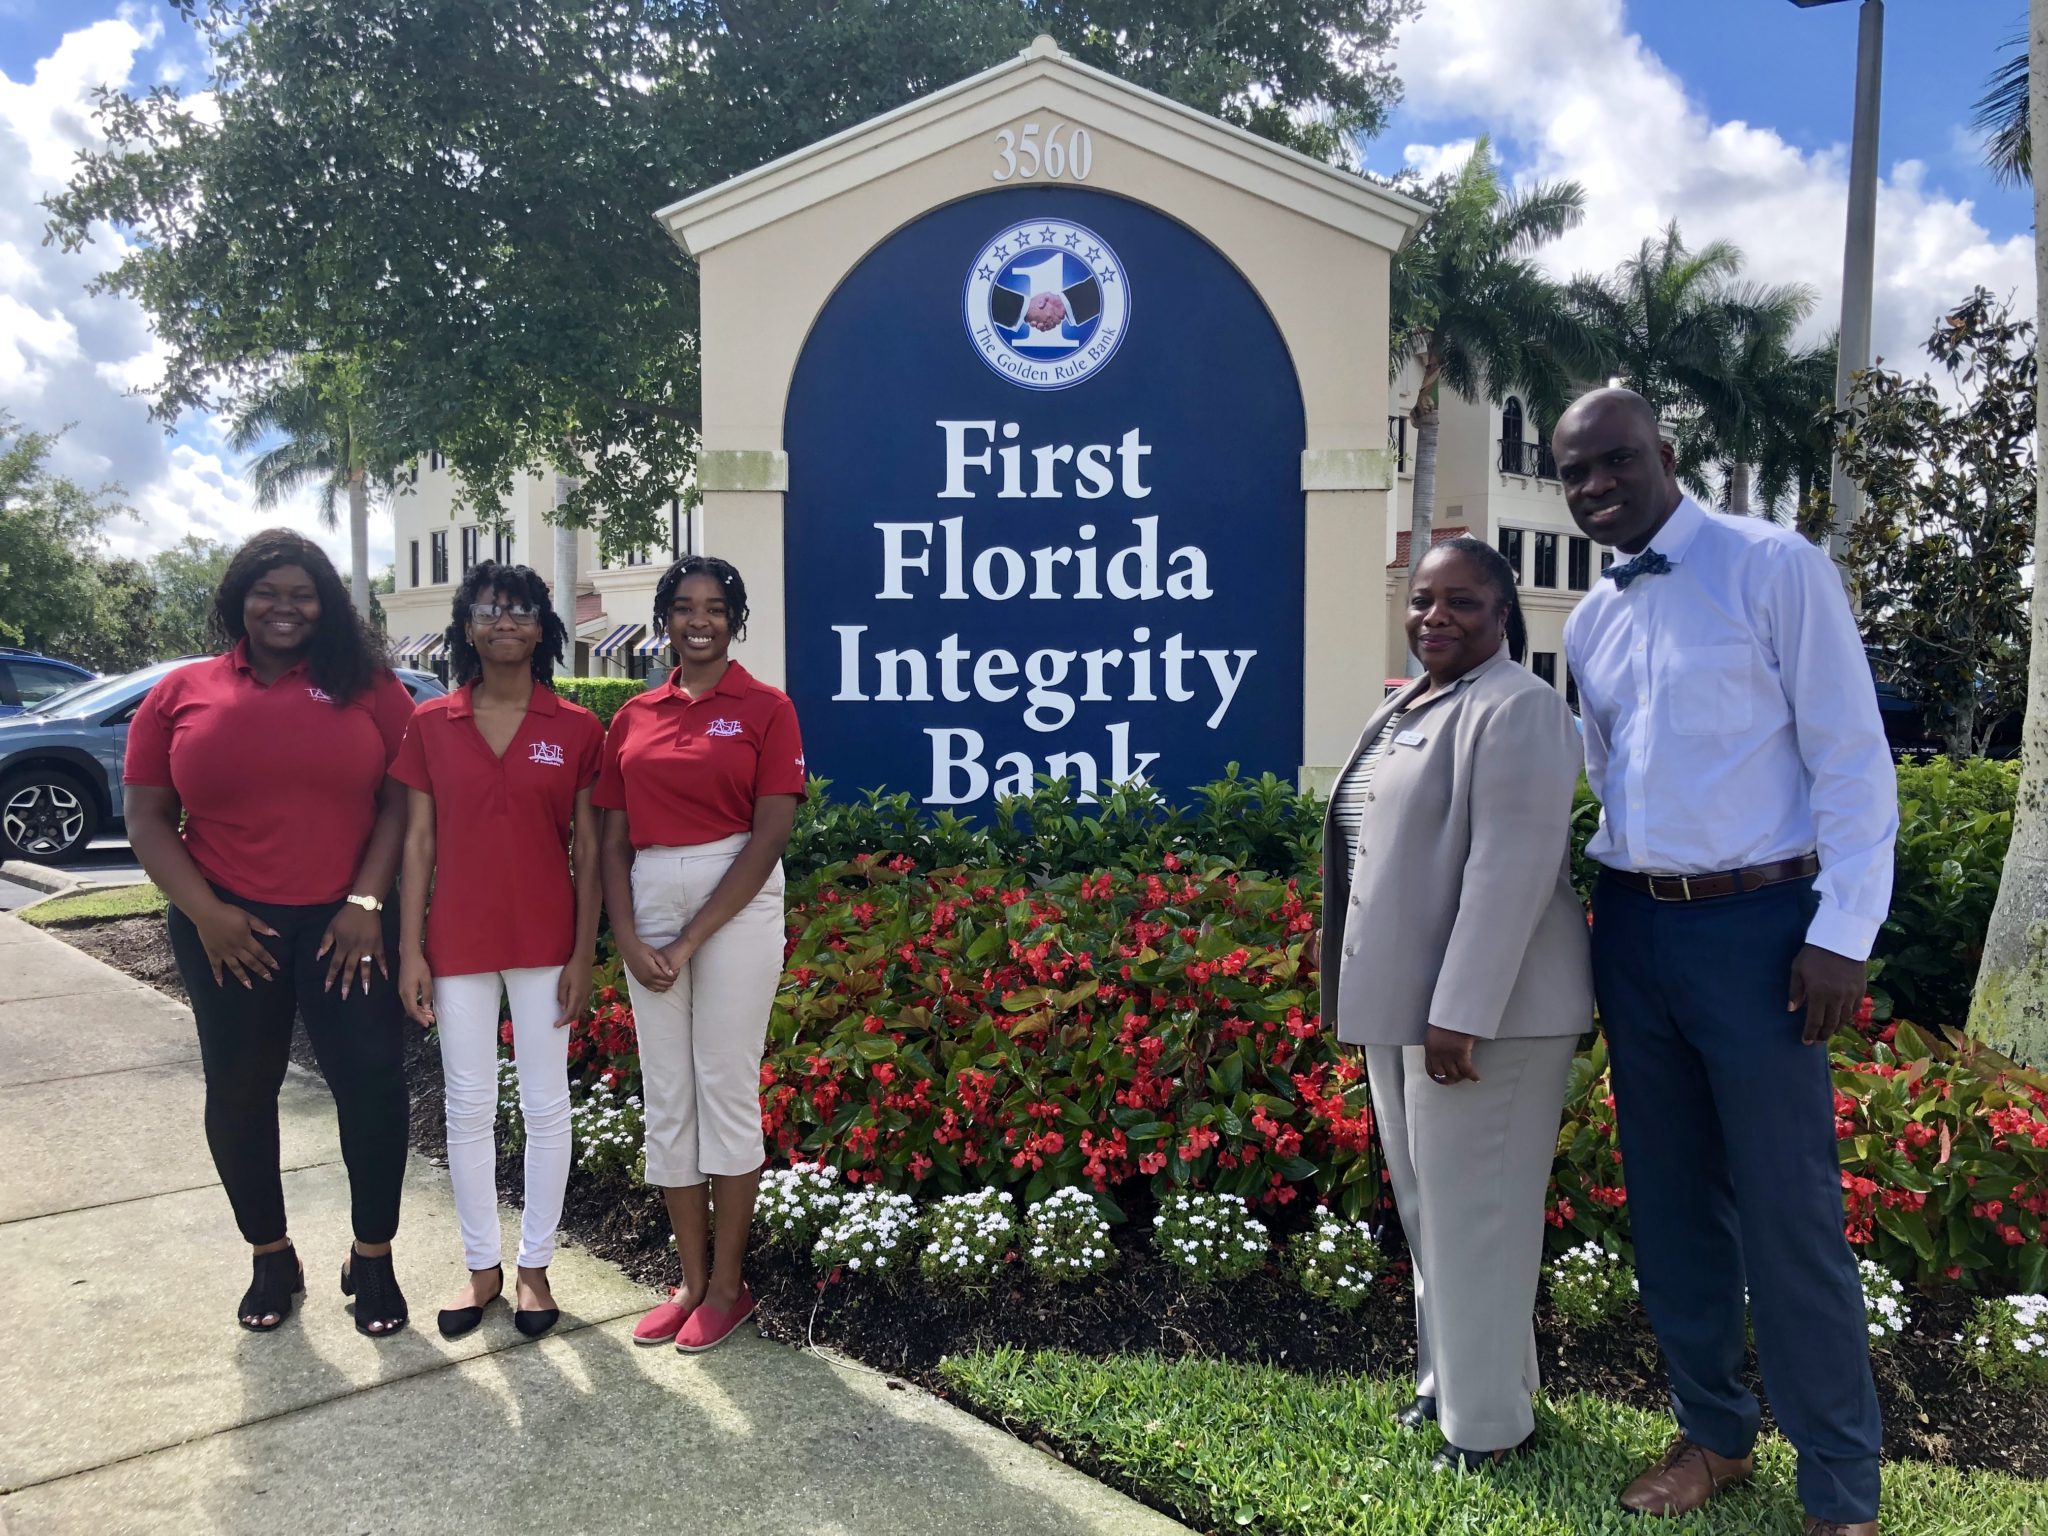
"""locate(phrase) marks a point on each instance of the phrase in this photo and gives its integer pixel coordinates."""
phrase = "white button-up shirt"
(1730, 719)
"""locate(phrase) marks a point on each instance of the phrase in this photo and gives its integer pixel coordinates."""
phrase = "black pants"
(245, 1037)
(1735, 1180)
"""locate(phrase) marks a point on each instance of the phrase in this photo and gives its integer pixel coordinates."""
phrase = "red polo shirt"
(688, 771)
(503, 897)
(278, 785)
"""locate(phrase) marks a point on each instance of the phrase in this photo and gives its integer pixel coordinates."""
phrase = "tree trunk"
(2010, 1008)
(1422, 504)
(359, 541)
(565, 569)
(1738, 488)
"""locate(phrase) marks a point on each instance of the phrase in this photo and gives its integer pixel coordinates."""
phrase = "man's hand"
(1830, 987)
(1449, 1056)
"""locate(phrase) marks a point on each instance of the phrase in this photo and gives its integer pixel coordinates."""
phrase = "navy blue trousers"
(1728, 1147)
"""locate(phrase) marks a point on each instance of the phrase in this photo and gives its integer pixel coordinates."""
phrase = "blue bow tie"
(1648, 563)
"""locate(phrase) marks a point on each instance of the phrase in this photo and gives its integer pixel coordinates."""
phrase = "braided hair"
(720, 571)
(1499, 575)
(509, 584)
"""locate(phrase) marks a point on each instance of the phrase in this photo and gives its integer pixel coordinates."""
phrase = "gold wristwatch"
(367, 903)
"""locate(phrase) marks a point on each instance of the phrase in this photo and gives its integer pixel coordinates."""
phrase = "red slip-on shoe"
(660, 1325)
(708, 1327)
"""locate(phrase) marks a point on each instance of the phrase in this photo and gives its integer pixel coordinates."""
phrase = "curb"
(41, 877)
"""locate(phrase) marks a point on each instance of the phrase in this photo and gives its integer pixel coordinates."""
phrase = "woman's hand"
(229, 934)
(353, 940)
(572, 991)
(678, 952)
(649, 966)
(416, 988)
(1449, 1056)
(1312, 950)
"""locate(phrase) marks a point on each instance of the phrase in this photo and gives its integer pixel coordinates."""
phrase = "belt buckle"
(1684, 888)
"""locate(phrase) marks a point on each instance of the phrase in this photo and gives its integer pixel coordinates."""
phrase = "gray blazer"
(1459, 909)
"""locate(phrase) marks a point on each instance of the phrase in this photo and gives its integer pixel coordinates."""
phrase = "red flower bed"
(942, 1032)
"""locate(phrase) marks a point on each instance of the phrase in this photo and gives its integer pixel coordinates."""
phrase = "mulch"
(1935, 1407)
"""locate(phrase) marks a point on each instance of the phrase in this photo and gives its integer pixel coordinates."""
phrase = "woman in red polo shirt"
(274, 755)
(499, 773)
(701, 781)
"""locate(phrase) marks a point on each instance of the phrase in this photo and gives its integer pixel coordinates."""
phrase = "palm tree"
(320, 408)
(1471, 306)
(2002, 117)
(1759, 423)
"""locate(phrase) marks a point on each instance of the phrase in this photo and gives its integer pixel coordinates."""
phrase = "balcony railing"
(1524, 458)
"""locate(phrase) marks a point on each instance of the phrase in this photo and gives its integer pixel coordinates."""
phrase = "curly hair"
(1500, 576)
(345, 656)
(718, 570)
(516, 583)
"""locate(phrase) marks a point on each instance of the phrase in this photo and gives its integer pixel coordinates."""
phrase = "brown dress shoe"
(1686, 1478)
(1815, 1526)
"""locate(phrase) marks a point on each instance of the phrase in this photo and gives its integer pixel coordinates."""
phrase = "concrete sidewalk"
(136, 1404)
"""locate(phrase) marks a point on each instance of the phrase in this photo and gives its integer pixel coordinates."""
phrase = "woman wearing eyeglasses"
(501, 833)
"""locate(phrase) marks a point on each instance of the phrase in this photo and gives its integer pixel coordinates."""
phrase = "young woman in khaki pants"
(699, 790)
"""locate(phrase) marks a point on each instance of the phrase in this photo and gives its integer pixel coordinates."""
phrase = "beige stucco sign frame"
(1314, 242)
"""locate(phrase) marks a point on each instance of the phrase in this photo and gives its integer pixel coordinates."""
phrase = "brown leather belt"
(1729, 882)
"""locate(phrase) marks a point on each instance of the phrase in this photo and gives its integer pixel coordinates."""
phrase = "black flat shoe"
(378, 1299)
(536, 1322)
(275, 1279)
(1452, 1459)
(1420, 1411)
(454, 1322)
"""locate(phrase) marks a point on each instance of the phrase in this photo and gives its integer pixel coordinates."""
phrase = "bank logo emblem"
(1047, 303)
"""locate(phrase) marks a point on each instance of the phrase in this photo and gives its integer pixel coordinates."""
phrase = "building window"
(1397, 439)
(469, 548)
(1606, 559)
(434, 459)
(1544, 665)
(501, 548)
(1511, 550)
(415, 562)
(1512, 450)
(678, 529)
(437, 543)
(1571, 691)
(639, 557)
(1546, 561)
(1579, 567)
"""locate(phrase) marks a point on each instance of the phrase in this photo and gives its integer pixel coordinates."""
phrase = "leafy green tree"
(1761, 439)
(330, 439)
(1473, 309)
(50, 542)
(186, 576)
(1941, 552)
(457, 193)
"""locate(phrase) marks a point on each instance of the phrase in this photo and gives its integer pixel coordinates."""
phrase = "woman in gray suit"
(1458, 958)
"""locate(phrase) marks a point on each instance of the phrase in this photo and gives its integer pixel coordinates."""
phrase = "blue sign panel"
(1044, 509)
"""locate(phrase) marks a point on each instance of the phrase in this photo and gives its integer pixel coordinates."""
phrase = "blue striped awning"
(655, 643)
(429, 647)
(612, 643)
(401, 647)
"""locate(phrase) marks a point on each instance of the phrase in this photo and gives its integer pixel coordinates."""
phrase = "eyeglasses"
(518, 613)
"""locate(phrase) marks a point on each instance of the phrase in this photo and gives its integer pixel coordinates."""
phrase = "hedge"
(602, 696)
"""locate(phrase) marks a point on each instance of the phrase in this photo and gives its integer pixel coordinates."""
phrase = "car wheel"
(46, 815)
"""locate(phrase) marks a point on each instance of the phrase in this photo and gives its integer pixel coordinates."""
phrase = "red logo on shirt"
(725, 728)
(546, 752)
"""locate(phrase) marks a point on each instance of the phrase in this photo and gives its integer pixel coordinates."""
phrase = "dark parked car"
(60, 761)
(27, 679)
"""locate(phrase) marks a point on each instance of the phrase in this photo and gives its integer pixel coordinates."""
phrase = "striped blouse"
(1348, 803)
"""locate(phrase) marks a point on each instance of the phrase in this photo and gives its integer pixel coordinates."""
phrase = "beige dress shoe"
(1688, 1475)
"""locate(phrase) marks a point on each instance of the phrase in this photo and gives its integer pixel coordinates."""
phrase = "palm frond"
(2002, 117)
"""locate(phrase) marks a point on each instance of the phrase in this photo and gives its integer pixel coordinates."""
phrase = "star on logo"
(985, 273)
(1023, 237)
(1002, 253)
(1094, 254)
(1046, 234)
(1072, 240)
(1107, 274)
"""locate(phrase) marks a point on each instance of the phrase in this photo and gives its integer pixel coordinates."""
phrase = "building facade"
(438, 542)
(1494, 480)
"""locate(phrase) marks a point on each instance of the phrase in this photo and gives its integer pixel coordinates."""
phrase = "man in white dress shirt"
(1748, 811)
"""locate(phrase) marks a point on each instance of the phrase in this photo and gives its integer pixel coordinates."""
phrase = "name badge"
(1408, 739)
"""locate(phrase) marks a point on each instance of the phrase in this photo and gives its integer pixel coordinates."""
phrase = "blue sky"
(1731, 116)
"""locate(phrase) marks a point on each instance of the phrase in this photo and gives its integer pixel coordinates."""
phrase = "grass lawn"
(1255, 1448)
(95, 906)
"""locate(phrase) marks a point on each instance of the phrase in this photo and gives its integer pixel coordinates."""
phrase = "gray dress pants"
(1469, 1164)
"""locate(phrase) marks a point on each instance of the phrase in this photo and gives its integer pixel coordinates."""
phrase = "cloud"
(69, 359)
(1569, 91)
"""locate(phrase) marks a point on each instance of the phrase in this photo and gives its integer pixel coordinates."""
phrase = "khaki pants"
(1469, 1164)
(701, 1041)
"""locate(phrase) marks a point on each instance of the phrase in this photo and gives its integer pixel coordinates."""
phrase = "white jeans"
(701, 1040)
(467, 1010)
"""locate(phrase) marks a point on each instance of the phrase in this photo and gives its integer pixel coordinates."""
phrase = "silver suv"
(60, 761)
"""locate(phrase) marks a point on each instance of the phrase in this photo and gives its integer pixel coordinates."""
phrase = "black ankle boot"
(276, 1278)
(378, 1299)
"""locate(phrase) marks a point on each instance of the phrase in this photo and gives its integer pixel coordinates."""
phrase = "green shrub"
(1955, 820)
(602, 696)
